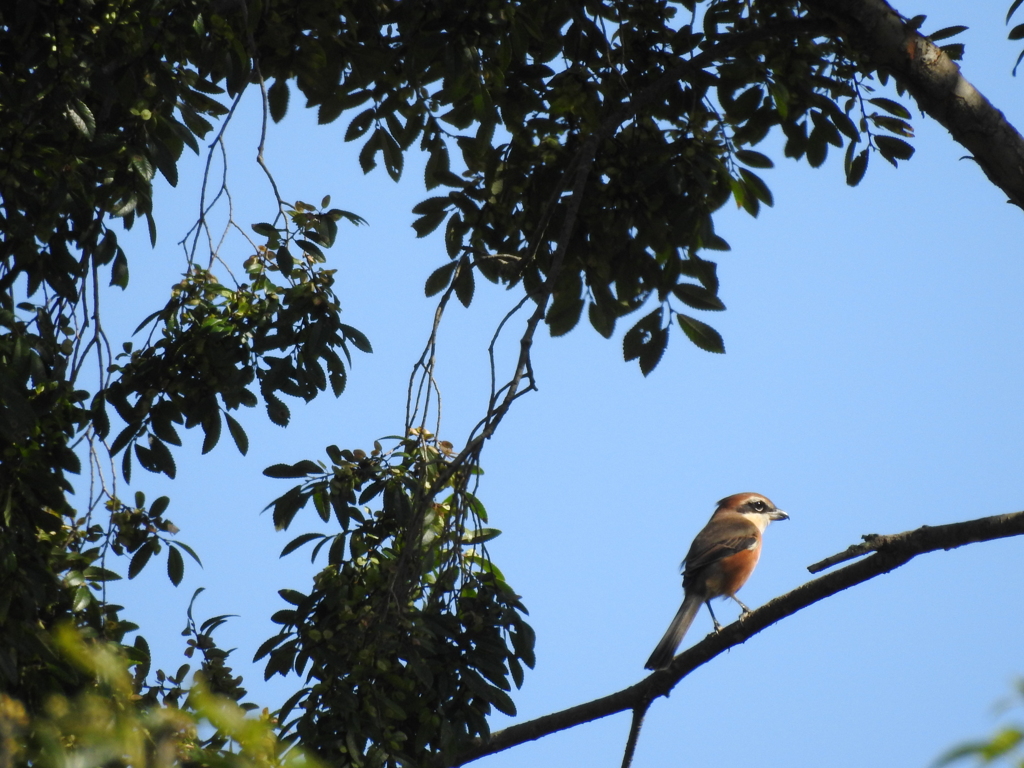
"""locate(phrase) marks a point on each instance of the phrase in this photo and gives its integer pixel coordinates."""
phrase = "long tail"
(666, 649)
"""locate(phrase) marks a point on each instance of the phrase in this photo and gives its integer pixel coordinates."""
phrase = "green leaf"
(286, 506)
(464, 283)
(359, 341)
(946, 32)
(191, 552)
(211, 430)
(83, 597)
(646, 342)
(480, 536)
(277, 99)
(265, 229)
(285, 261)
(237, 434)
(893, 149)
(292, 596)
(158, 507)
(601, 321)
(311, 248)
(564, 313)
(367, 155)
(427, 224)
(360, 124)
(698, 297)
(754, 159)
(757, 185)
(140, 558)
(175, 565)
(858, 166)
(119, 271)
(268, 645)
(439, 279)
(892, 107)
(501, 701)
(277, 411)
(701, 334)
(298, 541)
(82, 118)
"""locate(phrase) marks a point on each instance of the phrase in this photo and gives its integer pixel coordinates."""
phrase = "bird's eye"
(758, 506)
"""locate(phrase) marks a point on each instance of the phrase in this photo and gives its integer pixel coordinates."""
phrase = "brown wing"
(724, 535)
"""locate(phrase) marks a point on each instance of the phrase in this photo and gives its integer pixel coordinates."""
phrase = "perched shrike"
(719, 562)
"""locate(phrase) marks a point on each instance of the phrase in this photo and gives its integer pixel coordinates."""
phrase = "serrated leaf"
(268, 645)
(358, 339)
(211, 431)
(439, 279)
(701, 334)
(757, 185)
(698, 297)
(946, 32)
(285, 261)
(175, 565)
(890, 106)
(140, 558)
(277, 411)
(360, 124)
(191, 552)
(464, 283)
(291, 596)
(265, 229)
(893, 149)
(82, 118)
(237, 434)
(287, 506)
(858, 166)
(277, 99)
(298, 541)
(368, 154)
(427, 224)
(601, 321)
(83, 597)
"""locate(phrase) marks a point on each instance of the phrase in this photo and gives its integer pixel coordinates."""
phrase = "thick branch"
(876, 30)
(889, 553)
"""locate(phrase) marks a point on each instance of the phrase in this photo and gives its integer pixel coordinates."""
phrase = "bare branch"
(889, 553)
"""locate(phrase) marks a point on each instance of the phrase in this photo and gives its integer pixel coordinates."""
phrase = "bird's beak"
(778, 514)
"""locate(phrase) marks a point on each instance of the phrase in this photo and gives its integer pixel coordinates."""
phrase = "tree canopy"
(577, 153)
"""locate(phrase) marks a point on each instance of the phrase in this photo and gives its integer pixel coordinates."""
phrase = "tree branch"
(888, 553)
(875, 30)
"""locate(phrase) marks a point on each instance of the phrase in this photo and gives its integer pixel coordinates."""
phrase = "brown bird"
(719, 562)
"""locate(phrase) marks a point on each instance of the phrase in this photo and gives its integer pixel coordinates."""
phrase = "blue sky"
(872, 384)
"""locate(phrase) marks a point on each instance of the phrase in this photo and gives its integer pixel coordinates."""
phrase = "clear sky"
(872, 384)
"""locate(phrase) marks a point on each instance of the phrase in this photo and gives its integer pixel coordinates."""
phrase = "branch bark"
(876, 30)
(887, 554)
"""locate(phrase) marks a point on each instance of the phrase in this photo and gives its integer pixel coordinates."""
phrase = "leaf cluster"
(671, 105)
(410, 634)
(217, 344)
(106, 723)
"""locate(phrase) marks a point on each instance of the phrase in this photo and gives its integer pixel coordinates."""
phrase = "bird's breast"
(726, 576)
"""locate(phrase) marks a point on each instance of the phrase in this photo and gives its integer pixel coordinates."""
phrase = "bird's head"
(757, 508)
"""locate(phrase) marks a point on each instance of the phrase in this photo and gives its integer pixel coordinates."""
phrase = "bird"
(720, 561)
